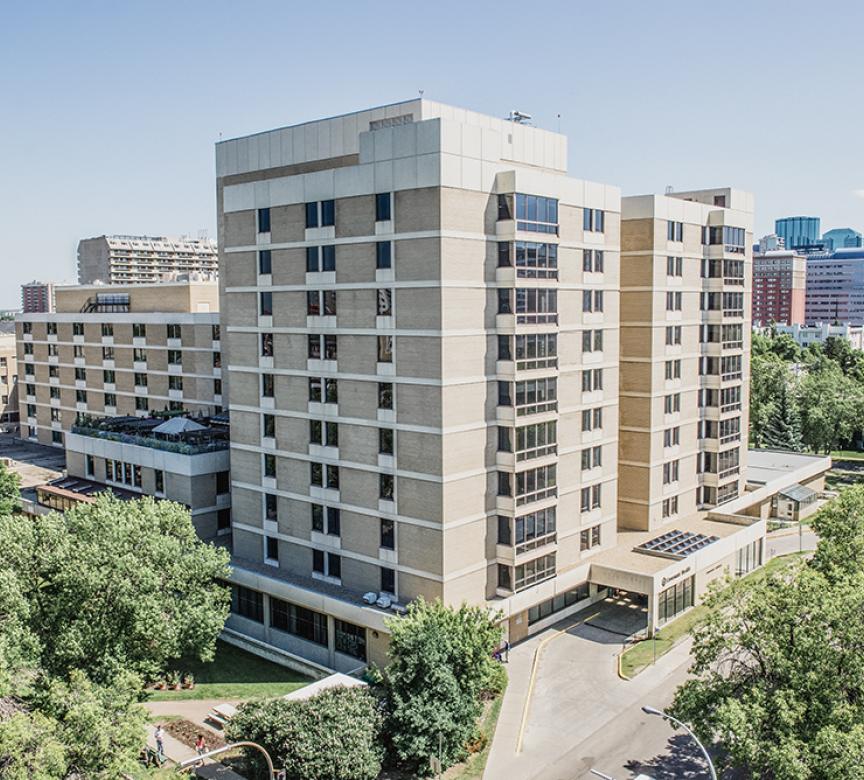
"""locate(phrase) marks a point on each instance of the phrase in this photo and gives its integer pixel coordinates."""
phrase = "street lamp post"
(666, 716)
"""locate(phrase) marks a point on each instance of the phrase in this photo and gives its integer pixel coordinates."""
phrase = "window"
(215, 332)
(534, 305)
(322, 347)
(320, 258)
(266, 345)
(536, 484)
(269, 466)
(299, 621)
(672, 403)
(590, 497)
(271, 507)
(139, 355)
(592, 379)
(592, 300)
(532, 572)
(26, 327)
(248, 603)
(55, 415)
(589, 538)
(159, 480)
(52, 350)
(593, 220)
(385, 349)
(175, 382)
(320, 214)
(384, 254)
(383, 207)
(217, 359)
(107, 353)
(385, 303)
(673, 335)
(328, 213)
(592, 260)
(386, 486)
(674, 231)
(265, 262)
(264, 220)
(107, 329)
(139, 330)
(271, 548)
(174, 330)
(265, 304)
(28, 349)
(535, 213)
(328, 564)
(671, 437)
(388, 580)
(673, 301)
(350, 639)
(592, 457)
(110, 400)
(81, 396)
(321, 302)
(56, 437)
(388, 534)
(673, 369)
(322, 433)
(53, 372)
(267, 386)
(54, 392)
(385, 441)
(533, 260)
(592, 419)
(385, 395)
(77, 328)
(674, 266)
(223, 519)
(175, 357)
(670, 506)
(671, 472)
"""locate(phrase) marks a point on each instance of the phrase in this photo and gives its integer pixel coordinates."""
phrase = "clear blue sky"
(109, 110)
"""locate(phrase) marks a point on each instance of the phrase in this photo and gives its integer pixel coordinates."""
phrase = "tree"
(783, 427)
(335, 734)
(441, 662)
(116, 586)
(10, 490)
(30, 748)
(831, 408)
(768, 377)
(778, 675)
(840, 528)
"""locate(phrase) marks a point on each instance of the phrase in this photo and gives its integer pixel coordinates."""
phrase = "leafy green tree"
(831, 407)
(786, 348)
(778, 675)
(30, 748)
(840, 528)
(783, 427)
(116, 586)
(441, 662)
(768, 377)
(335, 734)
(10, 490)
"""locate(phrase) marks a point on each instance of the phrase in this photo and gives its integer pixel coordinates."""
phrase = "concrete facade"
(118, 351)
(143, 259)
(37, 297)
(779, 287)
(8, 380)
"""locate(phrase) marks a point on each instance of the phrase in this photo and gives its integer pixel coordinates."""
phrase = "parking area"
(36, 464)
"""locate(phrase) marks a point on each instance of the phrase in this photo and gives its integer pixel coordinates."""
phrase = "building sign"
(672, 577)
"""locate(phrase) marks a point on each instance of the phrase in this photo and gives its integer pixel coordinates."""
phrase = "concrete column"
(652, 613)
(331, 641)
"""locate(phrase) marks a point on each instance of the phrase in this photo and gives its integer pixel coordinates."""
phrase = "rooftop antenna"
(559, 123)
(519, 117)
(421, 93)
(669, 189)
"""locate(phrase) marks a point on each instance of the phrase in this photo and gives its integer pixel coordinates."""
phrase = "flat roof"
(764, 466)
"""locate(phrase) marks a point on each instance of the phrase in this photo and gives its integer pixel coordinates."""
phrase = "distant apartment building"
(835, 288)
(769, 243)
(37, 297)
(127, 351)
(842, 238)
(8, 380)
(805, 335)
(685, 333)
(779, 287)
(799, 232)
(143, 259)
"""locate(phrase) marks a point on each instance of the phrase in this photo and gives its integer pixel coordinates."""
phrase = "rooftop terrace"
(183, 435)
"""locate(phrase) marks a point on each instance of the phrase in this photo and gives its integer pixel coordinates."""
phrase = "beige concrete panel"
(292, 434)
(570, 222)
(245, 428)
(419, 308)
(355, 216)
(359, 354)
(467, 210)
(418, 357)
(287, 223)
(417, 210)
(638, 376)
(238, 229)
(243, 349)
(419, 548)
(289, 266)
(356, 262)
(420, 452)
(360, 488)
(638, 234)
(419, 404)
(359, 443)
(472, 587)
(360, 534)
(360, 576)
(359, 308)
(418, 259)
(247, 545)
(357, 398)
(463, 356)
(467, 496)
(377, 648)
(290, 350)
(293, 475)
(289, 309)
(418, 498)
(411, 587)
(463, 308)
(472, 260)
(239, 270)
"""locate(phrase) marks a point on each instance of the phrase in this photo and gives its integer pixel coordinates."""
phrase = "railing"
(533, 544)
(729, 472)
(730, 407)
(537, 452)
(182, 448)
(733, 345)
(547, 406)
(533, 364)
(537, 495)
(730, 437)
(537, 319)
(536, 273)
(729, 377)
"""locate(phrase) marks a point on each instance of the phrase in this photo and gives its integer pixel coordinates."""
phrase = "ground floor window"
(562, 601)
(298, 621)
(248, 603)
(675, 600)
(748, 558)
(350, 639)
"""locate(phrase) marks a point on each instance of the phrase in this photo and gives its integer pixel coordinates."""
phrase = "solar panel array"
(676, 544)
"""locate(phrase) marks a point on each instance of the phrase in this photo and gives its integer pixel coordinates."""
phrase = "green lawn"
(641, 655)
(847, 455)
(234, 674)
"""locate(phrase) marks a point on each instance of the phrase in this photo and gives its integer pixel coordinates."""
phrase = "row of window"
(173, 330)
(322, 213)
(139, 354)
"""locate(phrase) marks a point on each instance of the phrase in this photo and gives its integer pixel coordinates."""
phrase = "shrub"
(335, 734)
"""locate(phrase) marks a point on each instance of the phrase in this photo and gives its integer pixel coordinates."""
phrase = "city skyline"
(94, 125)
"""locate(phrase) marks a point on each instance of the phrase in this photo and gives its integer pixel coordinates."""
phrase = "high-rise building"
(779, 287)
(685, 332)
(835, 288)
(842, 238)
(421, 323)
(37, 297)
(119, 351)
(145, 259)
(770, 242)
(799, 232)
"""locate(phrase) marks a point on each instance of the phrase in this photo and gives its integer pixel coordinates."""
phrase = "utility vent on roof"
(391, 121)
(676, 544)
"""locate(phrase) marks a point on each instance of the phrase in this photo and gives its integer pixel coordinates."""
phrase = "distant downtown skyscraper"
(798, 232)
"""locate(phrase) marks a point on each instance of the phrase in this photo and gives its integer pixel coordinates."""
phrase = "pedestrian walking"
(506, 651)
(159, 736)
(200, 747)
